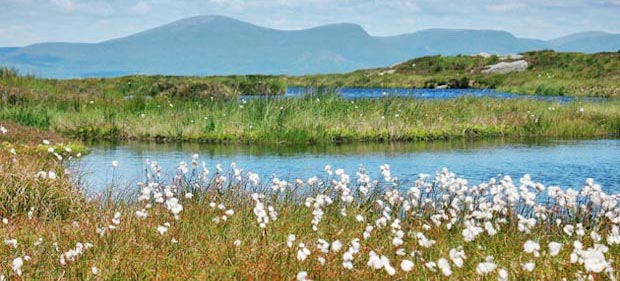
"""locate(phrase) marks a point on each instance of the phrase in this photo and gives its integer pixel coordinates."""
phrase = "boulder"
(506, 67)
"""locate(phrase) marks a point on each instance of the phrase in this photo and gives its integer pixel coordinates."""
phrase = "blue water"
(425, 94)
(567, 163)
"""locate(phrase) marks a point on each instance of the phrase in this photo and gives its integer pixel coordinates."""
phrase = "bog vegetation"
(548, 73)
(182, 109)
(214, 222)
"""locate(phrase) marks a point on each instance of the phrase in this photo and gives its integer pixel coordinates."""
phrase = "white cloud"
(140, 8)
(67, 5)
(505, 7)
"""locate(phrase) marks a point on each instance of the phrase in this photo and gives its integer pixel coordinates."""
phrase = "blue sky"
(24, 22)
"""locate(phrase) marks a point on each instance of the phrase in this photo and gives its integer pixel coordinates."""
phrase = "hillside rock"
(506, 67)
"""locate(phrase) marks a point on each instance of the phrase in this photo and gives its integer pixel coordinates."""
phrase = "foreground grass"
(215, 224)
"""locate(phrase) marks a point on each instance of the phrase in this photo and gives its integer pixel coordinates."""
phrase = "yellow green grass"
(195, 246)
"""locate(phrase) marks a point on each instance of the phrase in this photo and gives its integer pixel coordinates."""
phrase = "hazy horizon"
(29, 22)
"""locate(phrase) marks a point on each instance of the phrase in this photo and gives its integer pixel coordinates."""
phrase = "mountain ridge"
(219, 45)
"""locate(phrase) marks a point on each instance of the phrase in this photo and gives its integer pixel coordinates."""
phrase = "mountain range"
(217, 45)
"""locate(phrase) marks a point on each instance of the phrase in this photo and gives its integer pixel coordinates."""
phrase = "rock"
(506, 67)
(442, 87)
(391, 71)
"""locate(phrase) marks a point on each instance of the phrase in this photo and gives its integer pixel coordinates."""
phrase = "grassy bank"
(208, 223)
(18, 87)
(548, 73)
(324, 119)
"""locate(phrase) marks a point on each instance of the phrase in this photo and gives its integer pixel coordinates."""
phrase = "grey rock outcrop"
(506, 67)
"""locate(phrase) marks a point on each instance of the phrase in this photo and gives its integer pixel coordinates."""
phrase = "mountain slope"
(459, 41)
(588, 42)
(216, 45)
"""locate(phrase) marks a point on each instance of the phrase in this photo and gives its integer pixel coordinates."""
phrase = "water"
(425, 94)
(567, 163)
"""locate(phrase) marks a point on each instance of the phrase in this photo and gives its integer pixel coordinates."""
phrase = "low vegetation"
(318, 119)
(209, 223)
(549, 73)
(214, 222)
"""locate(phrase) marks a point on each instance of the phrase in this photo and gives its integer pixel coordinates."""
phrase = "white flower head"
(554, 248)
(406, 265)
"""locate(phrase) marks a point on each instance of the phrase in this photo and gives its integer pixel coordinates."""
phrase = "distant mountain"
(6, 50)
(216, 45)
(588, 42)
(461, 41)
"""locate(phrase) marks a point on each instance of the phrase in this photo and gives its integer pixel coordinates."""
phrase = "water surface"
(567, 163)
(424, 94)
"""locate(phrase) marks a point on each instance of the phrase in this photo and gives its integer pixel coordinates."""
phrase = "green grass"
(327, 119)
(207, 109)
(549, 73)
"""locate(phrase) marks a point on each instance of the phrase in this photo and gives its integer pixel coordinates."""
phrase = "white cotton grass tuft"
(457, 256)
(444, 266)
(486, 267)
(302, 276)
(502, 275)
(162, 229)
(531, 247)
(406, 265)
(16, 265)
(11, 242)
(528, 266)
(554, 248)
(290, 240)
(302, 252)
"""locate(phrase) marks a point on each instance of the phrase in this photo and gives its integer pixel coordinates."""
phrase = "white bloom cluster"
(348, 256)
(263, 216)
(317, 204)
(73, 254)
(378, 262)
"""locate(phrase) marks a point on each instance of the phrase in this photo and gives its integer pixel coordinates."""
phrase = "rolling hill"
(217, 45)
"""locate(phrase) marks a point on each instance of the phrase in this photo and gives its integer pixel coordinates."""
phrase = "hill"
(217, 45)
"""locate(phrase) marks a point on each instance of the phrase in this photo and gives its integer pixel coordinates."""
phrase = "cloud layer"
(30, 21)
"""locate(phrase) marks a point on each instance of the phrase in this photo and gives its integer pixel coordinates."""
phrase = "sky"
(24, 22)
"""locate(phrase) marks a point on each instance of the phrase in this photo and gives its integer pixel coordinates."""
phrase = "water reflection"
(554, 162)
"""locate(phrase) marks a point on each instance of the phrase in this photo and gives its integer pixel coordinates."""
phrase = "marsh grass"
(323, 118)
(196, 246)
(193, 109)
